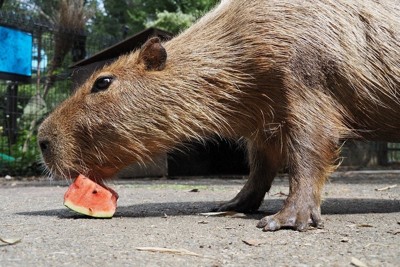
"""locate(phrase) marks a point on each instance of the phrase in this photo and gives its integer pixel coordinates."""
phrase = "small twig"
(10, 241)
(281, 194)
(169, 250)
(386, 188)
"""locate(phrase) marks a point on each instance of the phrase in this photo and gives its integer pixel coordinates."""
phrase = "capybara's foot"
(293, 216)
(240, 205)
(247, 200)
(250, 197)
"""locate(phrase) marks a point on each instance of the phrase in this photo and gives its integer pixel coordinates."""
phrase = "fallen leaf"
(232, 214)
(281, 194)
(364, 225)
(169, 250)
(357, 262)
(374, 244)
(394, 232)
(219, 213)
(359, 225)
(239, 215)
(345, 240)
(386, 188)
(319, 231)
(10, 241)
(254, 242)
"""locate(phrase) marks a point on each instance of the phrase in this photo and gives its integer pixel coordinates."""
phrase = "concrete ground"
(158, 223)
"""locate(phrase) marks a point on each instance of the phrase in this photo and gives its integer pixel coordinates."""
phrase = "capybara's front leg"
(308, 170)
(265, 161)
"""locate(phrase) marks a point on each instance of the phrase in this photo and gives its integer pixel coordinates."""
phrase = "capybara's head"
(94, 131)
(135, 108)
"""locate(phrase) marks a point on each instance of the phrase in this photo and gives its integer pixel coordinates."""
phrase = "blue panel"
(15, 51)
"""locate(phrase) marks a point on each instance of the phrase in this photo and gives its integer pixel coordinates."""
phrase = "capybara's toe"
(269, 223)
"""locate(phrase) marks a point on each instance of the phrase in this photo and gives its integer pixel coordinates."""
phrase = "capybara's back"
(290, 77)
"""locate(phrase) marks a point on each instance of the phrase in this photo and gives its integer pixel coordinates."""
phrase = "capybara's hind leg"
(265, 161)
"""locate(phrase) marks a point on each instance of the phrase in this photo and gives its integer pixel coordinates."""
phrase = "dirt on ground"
(161, 222)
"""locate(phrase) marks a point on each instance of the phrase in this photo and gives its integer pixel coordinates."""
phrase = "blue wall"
(15, 51)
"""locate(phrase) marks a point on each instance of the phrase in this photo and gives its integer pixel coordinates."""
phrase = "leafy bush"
(173, 22)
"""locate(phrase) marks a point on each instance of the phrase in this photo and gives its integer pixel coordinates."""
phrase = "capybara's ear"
(153, 55)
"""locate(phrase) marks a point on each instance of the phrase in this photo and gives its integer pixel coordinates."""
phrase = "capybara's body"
(290, 77)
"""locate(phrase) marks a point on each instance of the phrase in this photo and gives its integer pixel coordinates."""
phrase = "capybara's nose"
(44, 139)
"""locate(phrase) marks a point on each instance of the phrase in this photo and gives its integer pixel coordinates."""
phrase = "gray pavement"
(361, 223)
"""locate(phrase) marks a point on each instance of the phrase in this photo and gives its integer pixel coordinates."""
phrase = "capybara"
(290, 77)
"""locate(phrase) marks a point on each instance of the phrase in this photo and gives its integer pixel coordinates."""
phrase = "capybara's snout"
(56, 148)
(44, 141)
(47, 138)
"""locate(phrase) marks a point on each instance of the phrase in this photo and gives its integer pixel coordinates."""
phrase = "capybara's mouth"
(95, 173)
(99, 173)
(58, 172)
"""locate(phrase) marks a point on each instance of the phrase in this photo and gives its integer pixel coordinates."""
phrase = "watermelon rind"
(87, 211)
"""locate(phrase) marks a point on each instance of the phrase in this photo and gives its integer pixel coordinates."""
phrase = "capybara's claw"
(269, 223)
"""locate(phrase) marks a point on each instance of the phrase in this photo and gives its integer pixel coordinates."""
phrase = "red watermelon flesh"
(90, 198)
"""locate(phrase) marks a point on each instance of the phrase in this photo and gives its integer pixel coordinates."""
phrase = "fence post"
(10, 112)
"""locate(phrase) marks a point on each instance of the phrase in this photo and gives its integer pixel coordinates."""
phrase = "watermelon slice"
(90, 198)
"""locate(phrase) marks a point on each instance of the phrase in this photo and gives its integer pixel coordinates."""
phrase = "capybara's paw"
(291, 218)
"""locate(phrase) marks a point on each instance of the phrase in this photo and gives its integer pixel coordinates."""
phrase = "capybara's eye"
(101, 84)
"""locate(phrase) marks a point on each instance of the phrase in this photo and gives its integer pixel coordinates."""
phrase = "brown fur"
(290, 77)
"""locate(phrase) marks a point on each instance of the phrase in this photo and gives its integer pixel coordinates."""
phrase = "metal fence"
(393, 153)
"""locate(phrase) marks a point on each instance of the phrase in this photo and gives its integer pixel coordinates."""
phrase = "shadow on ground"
(330, 206)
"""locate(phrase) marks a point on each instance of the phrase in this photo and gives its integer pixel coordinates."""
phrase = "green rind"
(88, 212)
